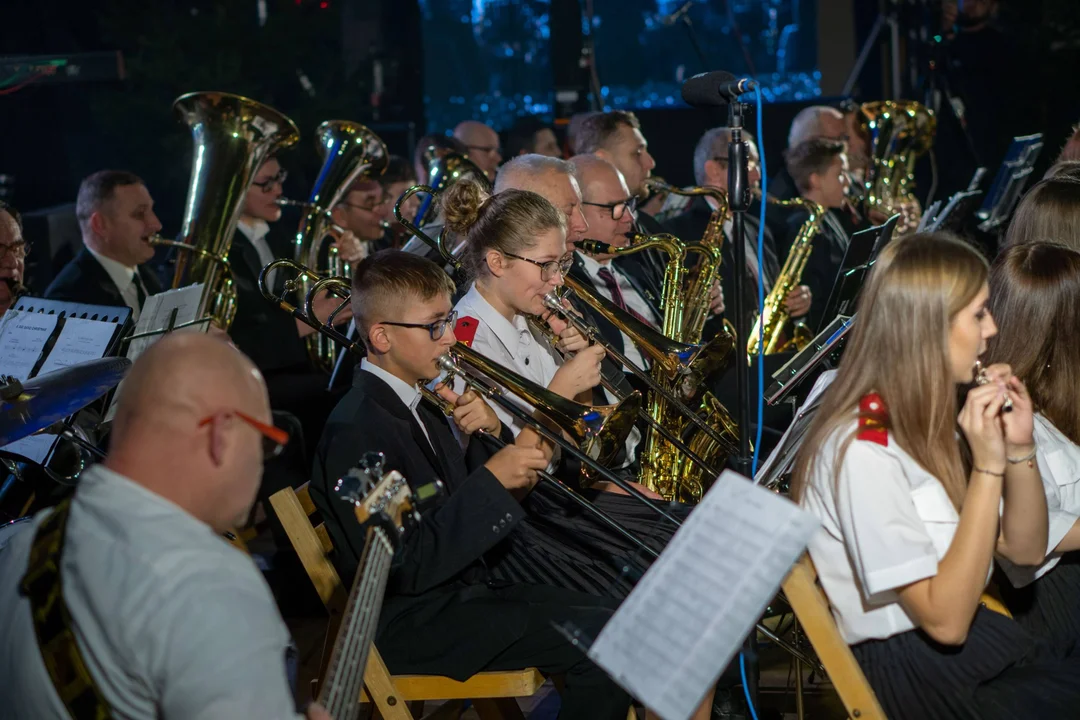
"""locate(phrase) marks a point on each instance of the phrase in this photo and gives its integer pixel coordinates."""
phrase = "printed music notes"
(686, 619)
(22, 340)
(80, 340)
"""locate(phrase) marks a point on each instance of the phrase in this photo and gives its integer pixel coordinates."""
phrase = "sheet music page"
(80, 340)
(796, 430)
(687, 618)
(156, 311)
(22, 338)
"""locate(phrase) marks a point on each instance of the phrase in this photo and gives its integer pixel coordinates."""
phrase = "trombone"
(600, 430)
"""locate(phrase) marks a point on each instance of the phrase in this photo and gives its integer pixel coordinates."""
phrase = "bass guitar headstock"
(383, 497)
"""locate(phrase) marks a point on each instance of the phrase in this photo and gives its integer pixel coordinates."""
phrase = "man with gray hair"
(116, 216)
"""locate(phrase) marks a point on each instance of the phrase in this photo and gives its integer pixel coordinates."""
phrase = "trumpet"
(981, 378)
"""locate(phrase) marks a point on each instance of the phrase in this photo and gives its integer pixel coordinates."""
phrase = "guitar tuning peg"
(373, 463)
(353, 487)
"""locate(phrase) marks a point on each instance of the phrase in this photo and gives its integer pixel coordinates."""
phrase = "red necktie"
(612, 284)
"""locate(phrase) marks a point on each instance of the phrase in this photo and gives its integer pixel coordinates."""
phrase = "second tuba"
(349, 150)
(233, 136)
(898, 131)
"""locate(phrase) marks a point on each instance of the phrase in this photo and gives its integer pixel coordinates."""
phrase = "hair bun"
(462, 203)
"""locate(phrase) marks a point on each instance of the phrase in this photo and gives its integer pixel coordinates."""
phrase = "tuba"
(779, 337)
(898, 133)
(444, 171)
(233, 136)
(349, 150)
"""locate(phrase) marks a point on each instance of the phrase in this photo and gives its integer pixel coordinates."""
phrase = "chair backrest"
(312, 544)
(812, 609)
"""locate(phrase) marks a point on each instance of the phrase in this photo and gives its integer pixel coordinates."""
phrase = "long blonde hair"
(899, 348)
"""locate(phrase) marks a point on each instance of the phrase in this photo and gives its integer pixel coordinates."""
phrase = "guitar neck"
(340, 689)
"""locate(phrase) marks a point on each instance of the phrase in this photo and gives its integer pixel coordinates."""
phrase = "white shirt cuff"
(882, 580)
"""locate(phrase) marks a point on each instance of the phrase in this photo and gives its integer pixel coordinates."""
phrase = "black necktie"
(140, 291)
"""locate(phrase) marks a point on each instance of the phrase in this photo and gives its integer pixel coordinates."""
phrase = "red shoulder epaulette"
(871, 412)
(465, 330)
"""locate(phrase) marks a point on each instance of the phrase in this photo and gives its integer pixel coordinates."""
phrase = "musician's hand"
(317, 712)
(580, 373)
(351, 248)
(798, 301)
(515, 467)
(716, 299)
(979, 421)
(876, 217)
(325, 304)
(471, 413)
(529, 438)
(570, 339)
(1018, 424)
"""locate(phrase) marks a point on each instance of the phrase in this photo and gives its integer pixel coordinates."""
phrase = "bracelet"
(988, 472)
(1026, 458)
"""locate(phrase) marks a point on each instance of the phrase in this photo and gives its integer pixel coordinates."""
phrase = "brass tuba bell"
(899, 131)
(233, 136)
(349, 150)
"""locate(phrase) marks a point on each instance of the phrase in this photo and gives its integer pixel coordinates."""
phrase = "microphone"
(674, 17)
(715, 89)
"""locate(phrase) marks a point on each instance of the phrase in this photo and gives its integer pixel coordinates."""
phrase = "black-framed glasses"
(437, 329)
(548, 269)
(268, 184)
(618, 209)
(18, 250)
(368, 208)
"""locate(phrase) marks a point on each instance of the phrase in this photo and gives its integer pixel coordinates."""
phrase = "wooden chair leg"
(381, 688)
(498, 709)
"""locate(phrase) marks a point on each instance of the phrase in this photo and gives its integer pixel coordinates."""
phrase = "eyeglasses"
(18, 250)
(617, 209)
(750, 164)
(274, 438)
(485, 148)
(548, 269)
(268, 184)
(437, 329)
(370, 208)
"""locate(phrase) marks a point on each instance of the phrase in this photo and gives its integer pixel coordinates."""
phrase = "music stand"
(858, 258)
(797, 369)
(1010, 180)
(960, 207)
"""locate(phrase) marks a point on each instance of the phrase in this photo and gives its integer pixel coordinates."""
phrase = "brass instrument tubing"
(549, 479)
(645, 377)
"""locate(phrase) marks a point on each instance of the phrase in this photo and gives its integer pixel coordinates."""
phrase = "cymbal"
(51, 397)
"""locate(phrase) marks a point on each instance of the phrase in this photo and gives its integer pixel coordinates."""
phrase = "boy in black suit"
(443, 613)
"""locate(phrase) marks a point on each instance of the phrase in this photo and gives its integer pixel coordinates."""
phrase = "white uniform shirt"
(631, 297)
(124, 279)
(172, 621)
(517, 347)
(886, 523)
(1059, 466)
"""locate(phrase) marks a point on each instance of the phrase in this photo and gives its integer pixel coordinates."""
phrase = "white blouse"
(515, 346)
(886, 523)
(1059, 466)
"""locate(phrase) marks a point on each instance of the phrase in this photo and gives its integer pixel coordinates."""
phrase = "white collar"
(254, 230)
(408, 394)
(594, 266)
(121, 275)
(509, 334)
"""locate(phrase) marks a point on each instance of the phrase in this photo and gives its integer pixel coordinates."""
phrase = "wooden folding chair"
(491, 693)
(811, 608)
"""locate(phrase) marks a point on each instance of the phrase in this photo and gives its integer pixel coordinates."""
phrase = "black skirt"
(563, 545)
(1049, 608)
(1001, 671)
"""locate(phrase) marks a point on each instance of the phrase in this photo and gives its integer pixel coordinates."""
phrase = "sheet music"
(80, 340)
(784, 452)
(22, 338)
(155, 315)
(670, 639)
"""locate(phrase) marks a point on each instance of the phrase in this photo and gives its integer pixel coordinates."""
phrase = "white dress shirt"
(516, 346)
(124, 279)
(256, 231)
(171, 620)
(407, 393)
(1059, 465)
(885, 523)
(631, 297)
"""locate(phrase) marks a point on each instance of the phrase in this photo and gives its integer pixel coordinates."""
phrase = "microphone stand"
(739, 203)
(683, 15)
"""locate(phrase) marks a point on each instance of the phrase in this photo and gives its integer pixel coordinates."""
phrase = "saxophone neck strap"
(52, 622)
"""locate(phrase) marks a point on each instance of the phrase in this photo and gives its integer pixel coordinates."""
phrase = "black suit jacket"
(261, 330)
(646, 267)
(826, 257)
(440, 561)
(85, 280)
(692, 224)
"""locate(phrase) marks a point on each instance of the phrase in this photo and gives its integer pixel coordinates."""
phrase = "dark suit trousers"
(588, 693)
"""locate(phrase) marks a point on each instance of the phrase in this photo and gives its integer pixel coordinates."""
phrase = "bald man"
(482, 143)
(169, 619)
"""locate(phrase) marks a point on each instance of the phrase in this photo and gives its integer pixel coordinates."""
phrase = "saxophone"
(775, 318)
